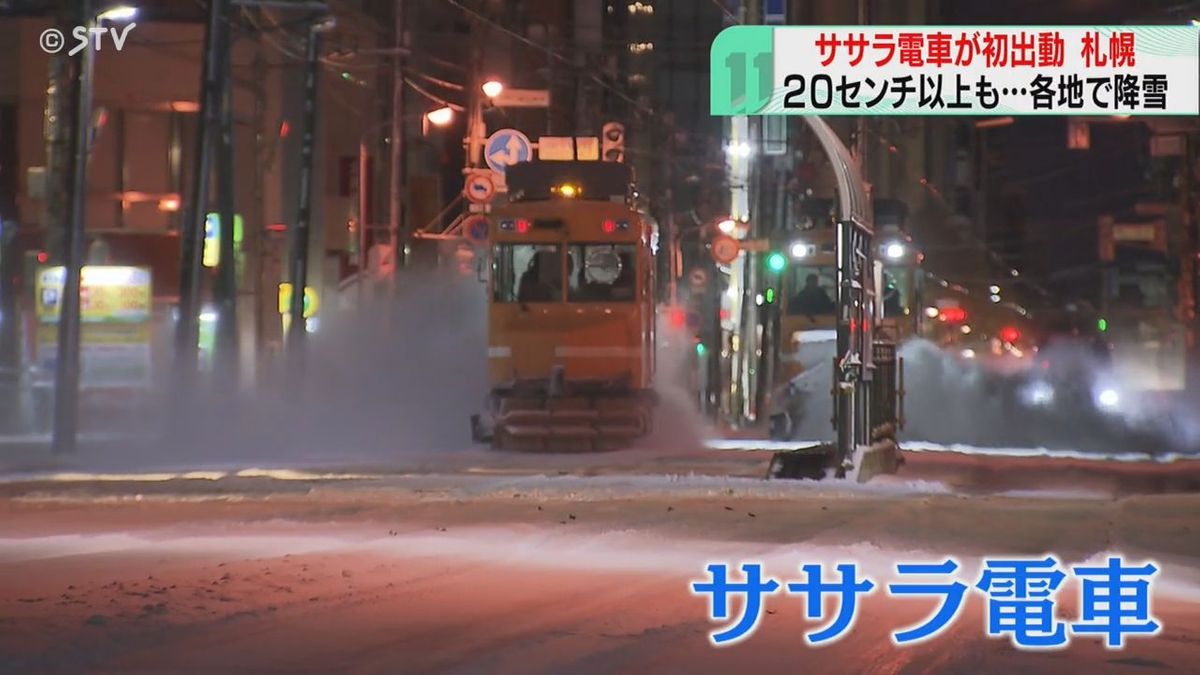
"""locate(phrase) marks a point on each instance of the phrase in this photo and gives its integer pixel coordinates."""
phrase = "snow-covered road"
(500, 572)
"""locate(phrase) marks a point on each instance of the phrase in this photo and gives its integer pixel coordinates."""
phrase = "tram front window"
(812, 291)
(527, 273)
(601, 273)
(896, 293)
(1140, 291)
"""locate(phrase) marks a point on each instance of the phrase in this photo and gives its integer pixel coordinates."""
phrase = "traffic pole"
(192, 238)
(396, 175)
(66, 374)
(297, 330)
(226, 360)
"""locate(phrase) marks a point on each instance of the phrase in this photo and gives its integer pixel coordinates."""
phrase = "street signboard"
(111, 356)
(774, 12)
(479, 187)
(505, 148)
(115, 308)
(476, 228)
(212, 237)
(587, 148)
(107, 294)
(523, 98)
(285, 300)
(556, 148)
(756, 245)
(725, 249)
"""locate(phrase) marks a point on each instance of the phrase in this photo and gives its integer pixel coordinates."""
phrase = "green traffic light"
(776, 262)
(1102, 325)
(770, 295)
(700, 349)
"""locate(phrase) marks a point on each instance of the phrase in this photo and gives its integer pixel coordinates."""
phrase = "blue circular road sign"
(505, 148)
(476, 228)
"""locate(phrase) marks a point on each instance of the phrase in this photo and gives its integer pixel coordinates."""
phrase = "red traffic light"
(1010, 334)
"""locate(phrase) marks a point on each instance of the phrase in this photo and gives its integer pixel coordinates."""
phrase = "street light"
(441, 116)
(492, 88)
(118, 13)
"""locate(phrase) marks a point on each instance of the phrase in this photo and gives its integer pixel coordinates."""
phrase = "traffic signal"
(612, 142)
(1010, 334)
(776, 261)
(1102, 325)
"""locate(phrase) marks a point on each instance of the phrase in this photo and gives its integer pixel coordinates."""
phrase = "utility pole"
(396, 239)
(297, 330)
(66, 372)
(226, 287)
(192, 237)
(59, 121)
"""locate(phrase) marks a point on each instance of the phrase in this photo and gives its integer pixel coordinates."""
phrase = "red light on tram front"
(953, 314)
(43, 257)
(522, 226)
(610, 226)
(1010, 334)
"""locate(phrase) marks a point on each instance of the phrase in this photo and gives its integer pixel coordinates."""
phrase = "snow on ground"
(548, 574)
(751, 445)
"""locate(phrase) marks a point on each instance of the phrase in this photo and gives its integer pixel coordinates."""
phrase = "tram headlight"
(1038, 394)
(567, 190)
(1108, 399)
(894, 251)
(798, 249)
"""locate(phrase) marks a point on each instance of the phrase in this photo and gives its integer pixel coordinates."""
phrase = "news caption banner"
(961, 70)
(1020, 594)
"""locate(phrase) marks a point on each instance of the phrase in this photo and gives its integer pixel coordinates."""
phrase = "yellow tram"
(808, 293)
(571, 311)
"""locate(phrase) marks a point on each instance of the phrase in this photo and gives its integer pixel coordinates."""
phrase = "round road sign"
(505, 148)
(479, 188)
(725, 249)
(476, 228)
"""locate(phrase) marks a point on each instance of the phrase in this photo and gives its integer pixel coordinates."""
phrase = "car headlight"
(1038, 394)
